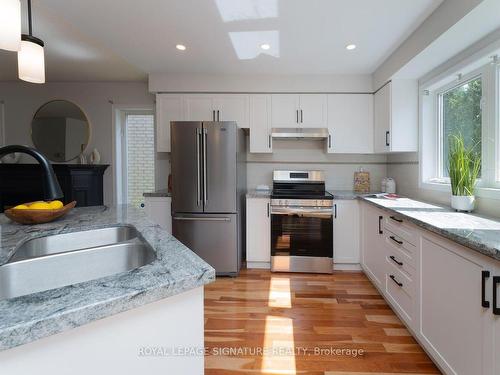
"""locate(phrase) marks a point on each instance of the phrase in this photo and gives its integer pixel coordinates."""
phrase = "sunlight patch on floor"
(279, 355)
(280, 294)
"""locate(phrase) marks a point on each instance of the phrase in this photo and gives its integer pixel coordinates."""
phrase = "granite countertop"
(31, 317)
(158, 193)
(478, 233)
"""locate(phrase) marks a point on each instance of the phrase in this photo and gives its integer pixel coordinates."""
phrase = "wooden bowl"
(37, 216)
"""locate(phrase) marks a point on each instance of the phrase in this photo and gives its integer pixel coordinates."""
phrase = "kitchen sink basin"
(50, 262)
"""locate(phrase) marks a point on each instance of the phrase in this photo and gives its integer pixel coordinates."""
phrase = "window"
(465, 104)
(460, 114)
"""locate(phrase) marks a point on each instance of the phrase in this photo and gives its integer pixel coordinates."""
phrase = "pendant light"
(10, 25)
(30, 58)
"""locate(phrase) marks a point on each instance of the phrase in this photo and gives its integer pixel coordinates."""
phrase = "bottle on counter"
(390, 186)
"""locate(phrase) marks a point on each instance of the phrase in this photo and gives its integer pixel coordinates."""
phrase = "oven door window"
(302, 235)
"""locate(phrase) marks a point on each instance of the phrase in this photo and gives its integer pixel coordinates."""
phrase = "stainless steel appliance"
(208, 187)
(301, 223)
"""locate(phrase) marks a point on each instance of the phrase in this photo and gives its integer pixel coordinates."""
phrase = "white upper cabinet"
(285, 110)
(169, 107)
(313, 110)
(396, 117)
(299, 110)
(232, 107)
(350, 123)
(199, 107)
(260, 123)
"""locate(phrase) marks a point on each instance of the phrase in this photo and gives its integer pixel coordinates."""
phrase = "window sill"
(481, 192)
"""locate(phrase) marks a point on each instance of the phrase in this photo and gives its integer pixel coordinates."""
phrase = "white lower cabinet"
(346, 232)
(258, 232)
(455, 327)
(372, 244)
(158, 210)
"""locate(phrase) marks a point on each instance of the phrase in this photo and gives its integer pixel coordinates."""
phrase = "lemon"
(40, 206)
(21, 207)
(55, 205)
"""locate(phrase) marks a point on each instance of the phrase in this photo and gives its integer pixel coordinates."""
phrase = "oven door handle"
(315, 212)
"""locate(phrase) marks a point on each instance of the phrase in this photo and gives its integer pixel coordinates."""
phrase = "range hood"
(300, 133)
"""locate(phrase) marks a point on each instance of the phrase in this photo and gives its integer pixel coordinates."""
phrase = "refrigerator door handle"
(205, 166)
(198, 169)
(183, 218)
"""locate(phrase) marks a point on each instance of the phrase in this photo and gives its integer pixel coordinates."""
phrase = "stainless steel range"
(301, 223)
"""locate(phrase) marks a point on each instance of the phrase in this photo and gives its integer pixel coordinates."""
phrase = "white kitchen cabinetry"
(199, 107)
(232, 107)
(258, 233)
(260, 123)
(169, 107)
(373, 244)
(396, 117)
(299, 110)
(350, 123)
(158, 210)
(495, 321)
(346, 232)
(455, 327)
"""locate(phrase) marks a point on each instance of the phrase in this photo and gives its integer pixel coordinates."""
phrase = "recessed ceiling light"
(265, 46)
(350, 47)
(180, 47)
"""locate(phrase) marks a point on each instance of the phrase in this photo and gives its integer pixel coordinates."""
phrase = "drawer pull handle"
(393, 278)
(395, 240)
(380, 218)
(484, 275)
(496, 308)
(393, 258)
(396, 219)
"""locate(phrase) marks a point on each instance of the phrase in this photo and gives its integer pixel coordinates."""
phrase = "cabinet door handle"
(393, 278)
(268, 209)
(335, 210)
(395, 240)
(297, 113)
(393, 258)
(380, 231)
(496, 308)
(484, 275)
(396, 219)
(218, 115)
(387, 138)
(213, 115)
(269, 140)
(301, 116)
(329, 141)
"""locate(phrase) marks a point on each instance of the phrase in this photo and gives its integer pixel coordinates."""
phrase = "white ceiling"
(126, 39)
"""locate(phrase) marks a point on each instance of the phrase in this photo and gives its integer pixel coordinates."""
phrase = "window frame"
(430, 174)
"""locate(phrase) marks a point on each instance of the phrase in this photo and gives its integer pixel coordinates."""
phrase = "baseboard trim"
(347, 266)
(259, 265)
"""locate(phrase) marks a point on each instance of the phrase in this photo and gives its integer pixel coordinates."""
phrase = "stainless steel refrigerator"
(208, 190)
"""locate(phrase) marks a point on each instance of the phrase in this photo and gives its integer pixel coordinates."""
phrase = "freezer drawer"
(213, 237)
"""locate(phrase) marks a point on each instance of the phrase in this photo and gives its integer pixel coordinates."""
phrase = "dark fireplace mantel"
(20, 183)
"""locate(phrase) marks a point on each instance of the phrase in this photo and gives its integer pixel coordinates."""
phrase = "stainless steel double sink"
(59, 260)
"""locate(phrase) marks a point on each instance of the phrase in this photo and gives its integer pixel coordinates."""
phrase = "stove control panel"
(302, 202)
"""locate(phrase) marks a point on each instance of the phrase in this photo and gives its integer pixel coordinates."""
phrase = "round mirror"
(60, 130)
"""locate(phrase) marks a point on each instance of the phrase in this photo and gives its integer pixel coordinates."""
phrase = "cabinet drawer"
(400, 291)
(402, 251)
(401, 228)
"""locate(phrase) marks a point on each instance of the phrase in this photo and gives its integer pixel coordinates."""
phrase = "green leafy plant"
(464, 165)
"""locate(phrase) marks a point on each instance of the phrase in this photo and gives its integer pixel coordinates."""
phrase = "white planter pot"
(463, 202)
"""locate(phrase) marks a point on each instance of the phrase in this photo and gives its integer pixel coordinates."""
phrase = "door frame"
(119, 163)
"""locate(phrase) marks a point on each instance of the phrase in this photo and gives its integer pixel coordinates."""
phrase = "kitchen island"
(141, 319)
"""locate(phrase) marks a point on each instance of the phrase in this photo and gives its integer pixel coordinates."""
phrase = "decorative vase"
(95, 157)
(463, 202)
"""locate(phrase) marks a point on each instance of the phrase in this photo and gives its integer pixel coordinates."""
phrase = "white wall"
(21, 100)
(310, 155)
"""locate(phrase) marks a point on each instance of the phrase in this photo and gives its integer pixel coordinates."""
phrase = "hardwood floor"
(279, 323)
